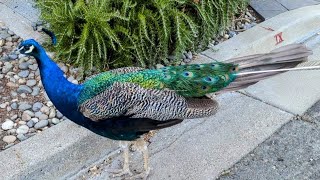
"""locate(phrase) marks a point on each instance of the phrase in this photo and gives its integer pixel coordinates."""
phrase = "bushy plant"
(113, 33)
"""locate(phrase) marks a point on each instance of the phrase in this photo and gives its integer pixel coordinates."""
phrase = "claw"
(121, 172)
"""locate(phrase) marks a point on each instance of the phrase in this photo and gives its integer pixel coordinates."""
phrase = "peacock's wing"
(161, 94)
(130, 99)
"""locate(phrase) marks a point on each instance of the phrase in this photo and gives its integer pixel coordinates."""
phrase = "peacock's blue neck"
(62, 93)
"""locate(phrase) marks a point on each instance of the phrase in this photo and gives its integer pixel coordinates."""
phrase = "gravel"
(21, 95)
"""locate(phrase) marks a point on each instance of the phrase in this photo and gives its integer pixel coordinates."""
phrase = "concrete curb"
(18, 24)
(58, 152)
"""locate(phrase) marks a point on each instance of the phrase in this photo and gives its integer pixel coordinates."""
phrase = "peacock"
(126, 103)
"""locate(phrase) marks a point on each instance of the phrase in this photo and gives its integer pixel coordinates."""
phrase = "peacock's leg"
(125, 170)
(141, 145)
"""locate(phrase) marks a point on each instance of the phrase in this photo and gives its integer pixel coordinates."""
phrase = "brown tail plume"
(281, 58)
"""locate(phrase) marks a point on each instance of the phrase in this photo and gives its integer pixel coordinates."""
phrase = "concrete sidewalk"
(198, 148)
(291, 153)
(270, 8)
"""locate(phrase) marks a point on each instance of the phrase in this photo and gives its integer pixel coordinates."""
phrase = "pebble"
(25, 117)
(43, 117)
(24, 65)
(55, 121)
(29, 112)
(23, 95)
(32, 130)
(2, 42)
(10, 32)
(14, 105)
(14, 117)
(24, 89)
(59, 114)
(11, 131)
(31, 82)
(22, 137)
(36, 106)
(13, 56)
(22, 123)
(35, 120)
(35, 91)
(41, 124)
(30, 123)
(23, 129)
(24, 73)
(8, 124)
(49, 104)
(9, 139)
(37, 114)
(45, 110)
(232, 33)
(24, 106)
(22, 81)
(33, 67)
(3, 105)
(52, 113)
(7, 67)
(226, 36)
(11, 84)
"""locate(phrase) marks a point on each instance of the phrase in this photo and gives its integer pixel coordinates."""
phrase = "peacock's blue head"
(29, 47)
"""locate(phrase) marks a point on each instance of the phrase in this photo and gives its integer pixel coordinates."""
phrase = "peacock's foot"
(144, 175)
(121, 172)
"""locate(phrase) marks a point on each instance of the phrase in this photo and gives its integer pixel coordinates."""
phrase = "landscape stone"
(8, 124)
(9, 139)
(41, 124)
(24, 89)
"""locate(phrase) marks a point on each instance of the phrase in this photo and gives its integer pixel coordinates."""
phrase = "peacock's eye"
(26, 49)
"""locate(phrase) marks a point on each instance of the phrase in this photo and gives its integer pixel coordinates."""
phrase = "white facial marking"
(22, 47)
(30, 49)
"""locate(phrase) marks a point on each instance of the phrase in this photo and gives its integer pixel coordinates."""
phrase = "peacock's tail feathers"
(282, 58)
(196, 80)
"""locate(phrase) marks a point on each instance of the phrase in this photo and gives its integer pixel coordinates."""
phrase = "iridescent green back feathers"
(194, 80)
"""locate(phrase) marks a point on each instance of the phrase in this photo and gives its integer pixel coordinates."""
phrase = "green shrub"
(116, 33)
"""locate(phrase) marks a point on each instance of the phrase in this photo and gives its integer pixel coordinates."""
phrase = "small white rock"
(23, 129)
(35, 120)
(7, 125)
(3, 105)
(49, 104)
(55, 121)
